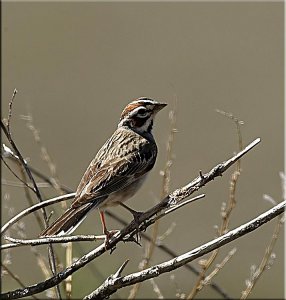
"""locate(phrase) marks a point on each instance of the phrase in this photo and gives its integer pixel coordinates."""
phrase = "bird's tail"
(69, 221)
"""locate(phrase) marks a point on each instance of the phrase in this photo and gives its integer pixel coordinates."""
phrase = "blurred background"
(76, 65)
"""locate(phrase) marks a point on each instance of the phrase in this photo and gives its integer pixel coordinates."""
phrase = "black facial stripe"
(145, 114)
(139, 121)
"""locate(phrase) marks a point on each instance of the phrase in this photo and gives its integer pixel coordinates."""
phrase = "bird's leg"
(136, 216)
(108, 234)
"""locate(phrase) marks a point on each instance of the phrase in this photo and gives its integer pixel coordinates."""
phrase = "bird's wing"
(114, 174)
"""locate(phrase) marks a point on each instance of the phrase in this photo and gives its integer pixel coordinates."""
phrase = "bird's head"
(139, 114)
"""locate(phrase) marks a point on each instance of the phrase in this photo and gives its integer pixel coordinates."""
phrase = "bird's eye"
(142, 113)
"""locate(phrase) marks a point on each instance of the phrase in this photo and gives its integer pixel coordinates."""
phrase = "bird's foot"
(136, 217)
(108, 236)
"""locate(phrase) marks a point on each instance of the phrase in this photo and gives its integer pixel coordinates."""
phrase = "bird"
(117, 171)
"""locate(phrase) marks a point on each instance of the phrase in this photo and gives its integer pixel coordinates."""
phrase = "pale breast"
(123, 195)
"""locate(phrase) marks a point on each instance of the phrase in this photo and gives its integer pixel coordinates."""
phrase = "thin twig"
(50, 240)
(181, 204)
(10, 109)
(156, 289)
(25, 184)
(225, 212)
(218, 267)
(264, 264)
(21, 185)
(34, 208)
(24, 163)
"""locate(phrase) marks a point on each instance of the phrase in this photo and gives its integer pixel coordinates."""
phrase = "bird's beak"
(159, 106)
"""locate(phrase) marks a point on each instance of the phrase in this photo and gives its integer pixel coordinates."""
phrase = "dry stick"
(24, 164)
(8, 153)
(7, 132)
(131, 228)
(113, 283)
(226, 213)
(21, 185)
(156, 289)
(10, 109)
(21, 180)
(34, 208)
(52, 239)
(263, 265)
(165, 191)
(177, 206)
(24, 181)
(218, 267)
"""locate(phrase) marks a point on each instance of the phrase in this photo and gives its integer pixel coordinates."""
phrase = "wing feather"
(104, 177)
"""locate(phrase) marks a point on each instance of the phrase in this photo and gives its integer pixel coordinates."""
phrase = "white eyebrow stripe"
(145, 101)
(135, 111)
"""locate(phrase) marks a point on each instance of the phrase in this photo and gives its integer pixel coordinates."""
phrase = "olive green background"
(76, 65)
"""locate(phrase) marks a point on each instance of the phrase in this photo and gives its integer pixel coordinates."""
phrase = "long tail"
(69, 221)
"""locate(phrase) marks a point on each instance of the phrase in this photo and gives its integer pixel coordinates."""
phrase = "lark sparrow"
(118, 169)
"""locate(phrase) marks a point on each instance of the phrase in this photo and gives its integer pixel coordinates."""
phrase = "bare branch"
(50, 240)
(24, 164)
(25, 184)
(177, 206)
(105, 290)
(214, 172)
(22, 185)
(35, 208)
(10, 109)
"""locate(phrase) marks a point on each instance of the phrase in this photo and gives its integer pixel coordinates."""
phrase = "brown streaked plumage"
(118, 169)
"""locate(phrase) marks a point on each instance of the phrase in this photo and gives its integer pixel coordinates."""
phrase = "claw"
(136, 217)
(108, 235)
